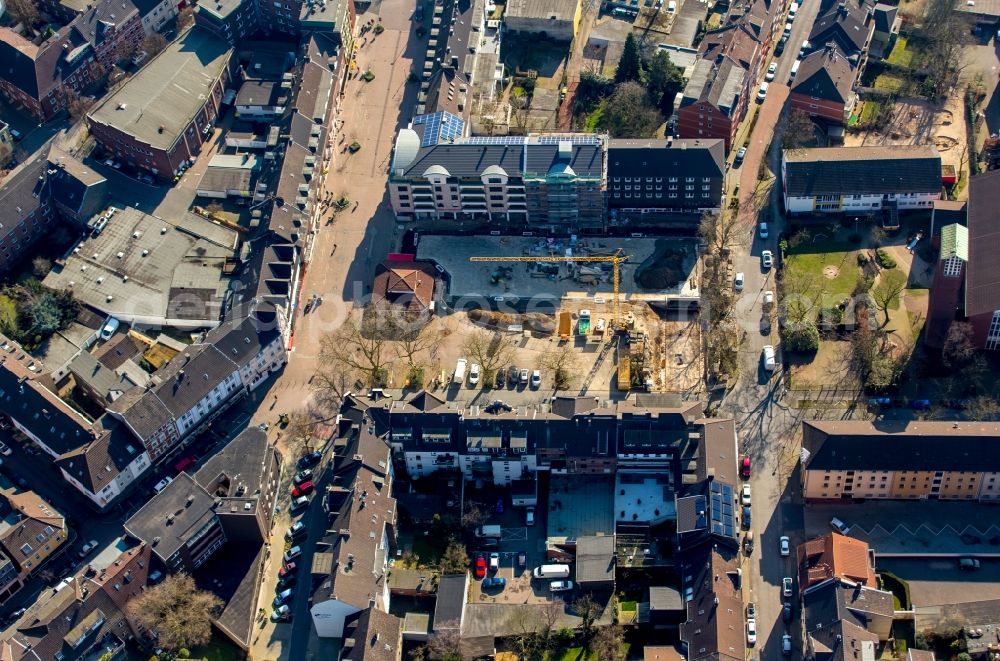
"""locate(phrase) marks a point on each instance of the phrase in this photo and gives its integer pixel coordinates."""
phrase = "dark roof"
(718, 454)
(242, 337)
(450, 603)
(190, 376)
(233, 574)
(982, 280)
(666, 158)
(259, 93)
(901, 445)
(142, 411)
(664, 598)
(861, 170)
(835, 623)
(247, 459)
(885, 16)
(119, 349)
(21, 192)
(25, 398)
(172, 516)
(714, 629)
(825, 74)
(595, 559)
(98, 463)
(847, 23)
(376, 636)
(717, 83)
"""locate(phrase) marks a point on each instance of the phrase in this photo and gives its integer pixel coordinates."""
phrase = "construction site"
(623, 337)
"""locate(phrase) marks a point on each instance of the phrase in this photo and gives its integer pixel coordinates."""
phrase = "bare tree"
(455, 559)
(359, 348)
(958, 346)
(799, 298)
(177, 611)
(524, 625)
(720, 231)
(24, 11)
(76, 105)
(185, 17)
(490, 349)
(607, 643)
(153, 44)
(588, 611)
(411, 342)
(550, 614)
(982, 407)
(886, 292)
(445, 644)
(799, 130)
(473, 516)
(301, 431)
(561, 361)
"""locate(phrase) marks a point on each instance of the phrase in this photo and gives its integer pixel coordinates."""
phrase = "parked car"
(494, 561)
(767, 259)
(560, 586)
(786, 586)
(494, 582)
(310, 460)
(286, 581)
(500, 505)
(771, 70)
(287, 568)
(303, 476)
(738, 282)
(780, 48)
(300, 503)
(745, 494)
(297, 529)
(474, 373)
(498, 382)
(302, 489)
(529, 516)
(762, 230)
(839, 525)
(522, 559)
(741, 153)
(523, 377)
(751, 632)
(283, 597)
(536, 379)
(751, 611)
(784, 546)
(512, 374)
(968, 564)
(745, 468)
(786, 612)
(480, 566)
(4, 450)
(746, 518)
(768, 299)
(762, 92)
(490, 543)
(281, 613)
(161, 485)
(291, 554)
(87, 548)
(786, 645)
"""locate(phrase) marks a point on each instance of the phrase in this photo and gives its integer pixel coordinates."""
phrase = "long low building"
(160, 118)
(860, 180)
(941, 460)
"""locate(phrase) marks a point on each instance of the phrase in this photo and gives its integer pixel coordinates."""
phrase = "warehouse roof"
(158, 104)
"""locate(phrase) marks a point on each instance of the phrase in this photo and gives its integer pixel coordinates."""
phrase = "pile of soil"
(535, 321)
(665, 272)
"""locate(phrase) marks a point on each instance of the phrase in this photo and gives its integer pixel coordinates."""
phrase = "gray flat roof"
(147, 265)
(168, 91)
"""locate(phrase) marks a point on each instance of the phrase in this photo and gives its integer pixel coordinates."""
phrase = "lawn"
(900, 56)
(578, 654)
(218, 649)
(889, 83)
(870, 112)
(805, 263)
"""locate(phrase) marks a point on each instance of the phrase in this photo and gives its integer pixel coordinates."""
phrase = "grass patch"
(218, 649)
(899, 588)
(900, 56)
(579, 654)
(428, 549)
(593, 119)
(889, 83)
(629, 606)
(806, 262)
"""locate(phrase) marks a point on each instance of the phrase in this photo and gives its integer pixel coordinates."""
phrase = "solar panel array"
(441, 127)
(495, 140)
(722, 510)
(573, 138)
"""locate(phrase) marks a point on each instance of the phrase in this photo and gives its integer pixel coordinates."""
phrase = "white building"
(861, 180)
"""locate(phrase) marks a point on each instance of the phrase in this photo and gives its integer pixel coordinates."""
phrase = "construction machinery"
(615, 260)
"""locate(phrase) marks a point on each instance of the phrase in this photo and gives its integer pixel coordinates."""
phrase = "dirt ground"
(920, 122)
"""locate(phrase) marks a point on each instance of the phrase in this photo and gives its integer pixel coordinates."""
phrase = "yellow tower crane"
(616, 261)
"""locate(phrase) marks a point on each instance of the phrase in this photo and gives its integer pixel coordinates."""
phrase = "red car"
(480, 566)
(745, 468)
(289, 568)
(302, 489)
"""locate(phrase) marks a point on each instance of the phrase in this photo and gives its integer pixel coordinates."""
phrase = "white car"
(762, 92)
(474, 374)
(767, 259)
(745, 494)
(786, 586)
(785, 546)
(738, 283)
(560, 586)
(4, 450)
(763, 230)
(88, 547)
(494, 561)
(751, 631)
(841, 527)
(771, 70)
(768, 298)
(536, 379)
(529, 516)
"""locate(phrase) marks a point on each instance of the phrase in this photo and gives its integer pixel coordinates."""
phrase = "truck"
(565, 325)
(488, 531)
(584, 327)
(460, 370)
(551, 571)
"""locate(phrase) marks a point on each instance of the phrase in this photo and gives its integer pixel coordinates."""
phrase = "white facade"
(422, 464)
(218, 395)
(159, 15)
(859, 203)
(113, 489)
(270, 359)
(328, 617)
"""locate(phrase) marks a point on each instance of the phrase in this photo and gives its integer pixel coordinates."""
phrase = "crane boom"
(616, 261)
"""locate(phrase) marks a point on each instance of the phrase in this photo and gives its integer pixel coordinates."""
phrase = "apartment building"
(160, 118)
(919, 460)
(36, 72)
(553, 180)
(860, 180)
(664, 176)
(31, 531)
(824, 86)
(235, 20)
(350, 566)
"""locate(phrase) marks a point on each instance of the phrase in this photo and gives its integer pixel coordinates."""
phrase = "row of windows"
(660, 195)
(650, 187)
(658, 180)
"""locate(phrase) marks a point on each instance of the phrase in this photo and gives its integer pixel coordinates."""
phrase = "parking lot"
(938, 581)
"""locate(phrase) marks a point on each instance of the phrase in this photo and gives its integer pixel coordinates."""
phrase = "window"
(993, 337)
(953, 267)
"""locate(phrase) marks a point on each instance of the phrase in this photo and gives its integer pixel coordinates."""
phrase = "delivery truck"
(551, 571)
(584, 322)
(565, 325)
(460, 371)
(488, 531)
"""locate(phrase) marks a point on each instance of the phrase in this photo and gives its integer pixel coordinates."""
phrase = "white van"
(792, 9)
(788, 29)
(795, 70)
(769, 363)
(551, 571)
(460, 370)
(762, 93)
(671, 6)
